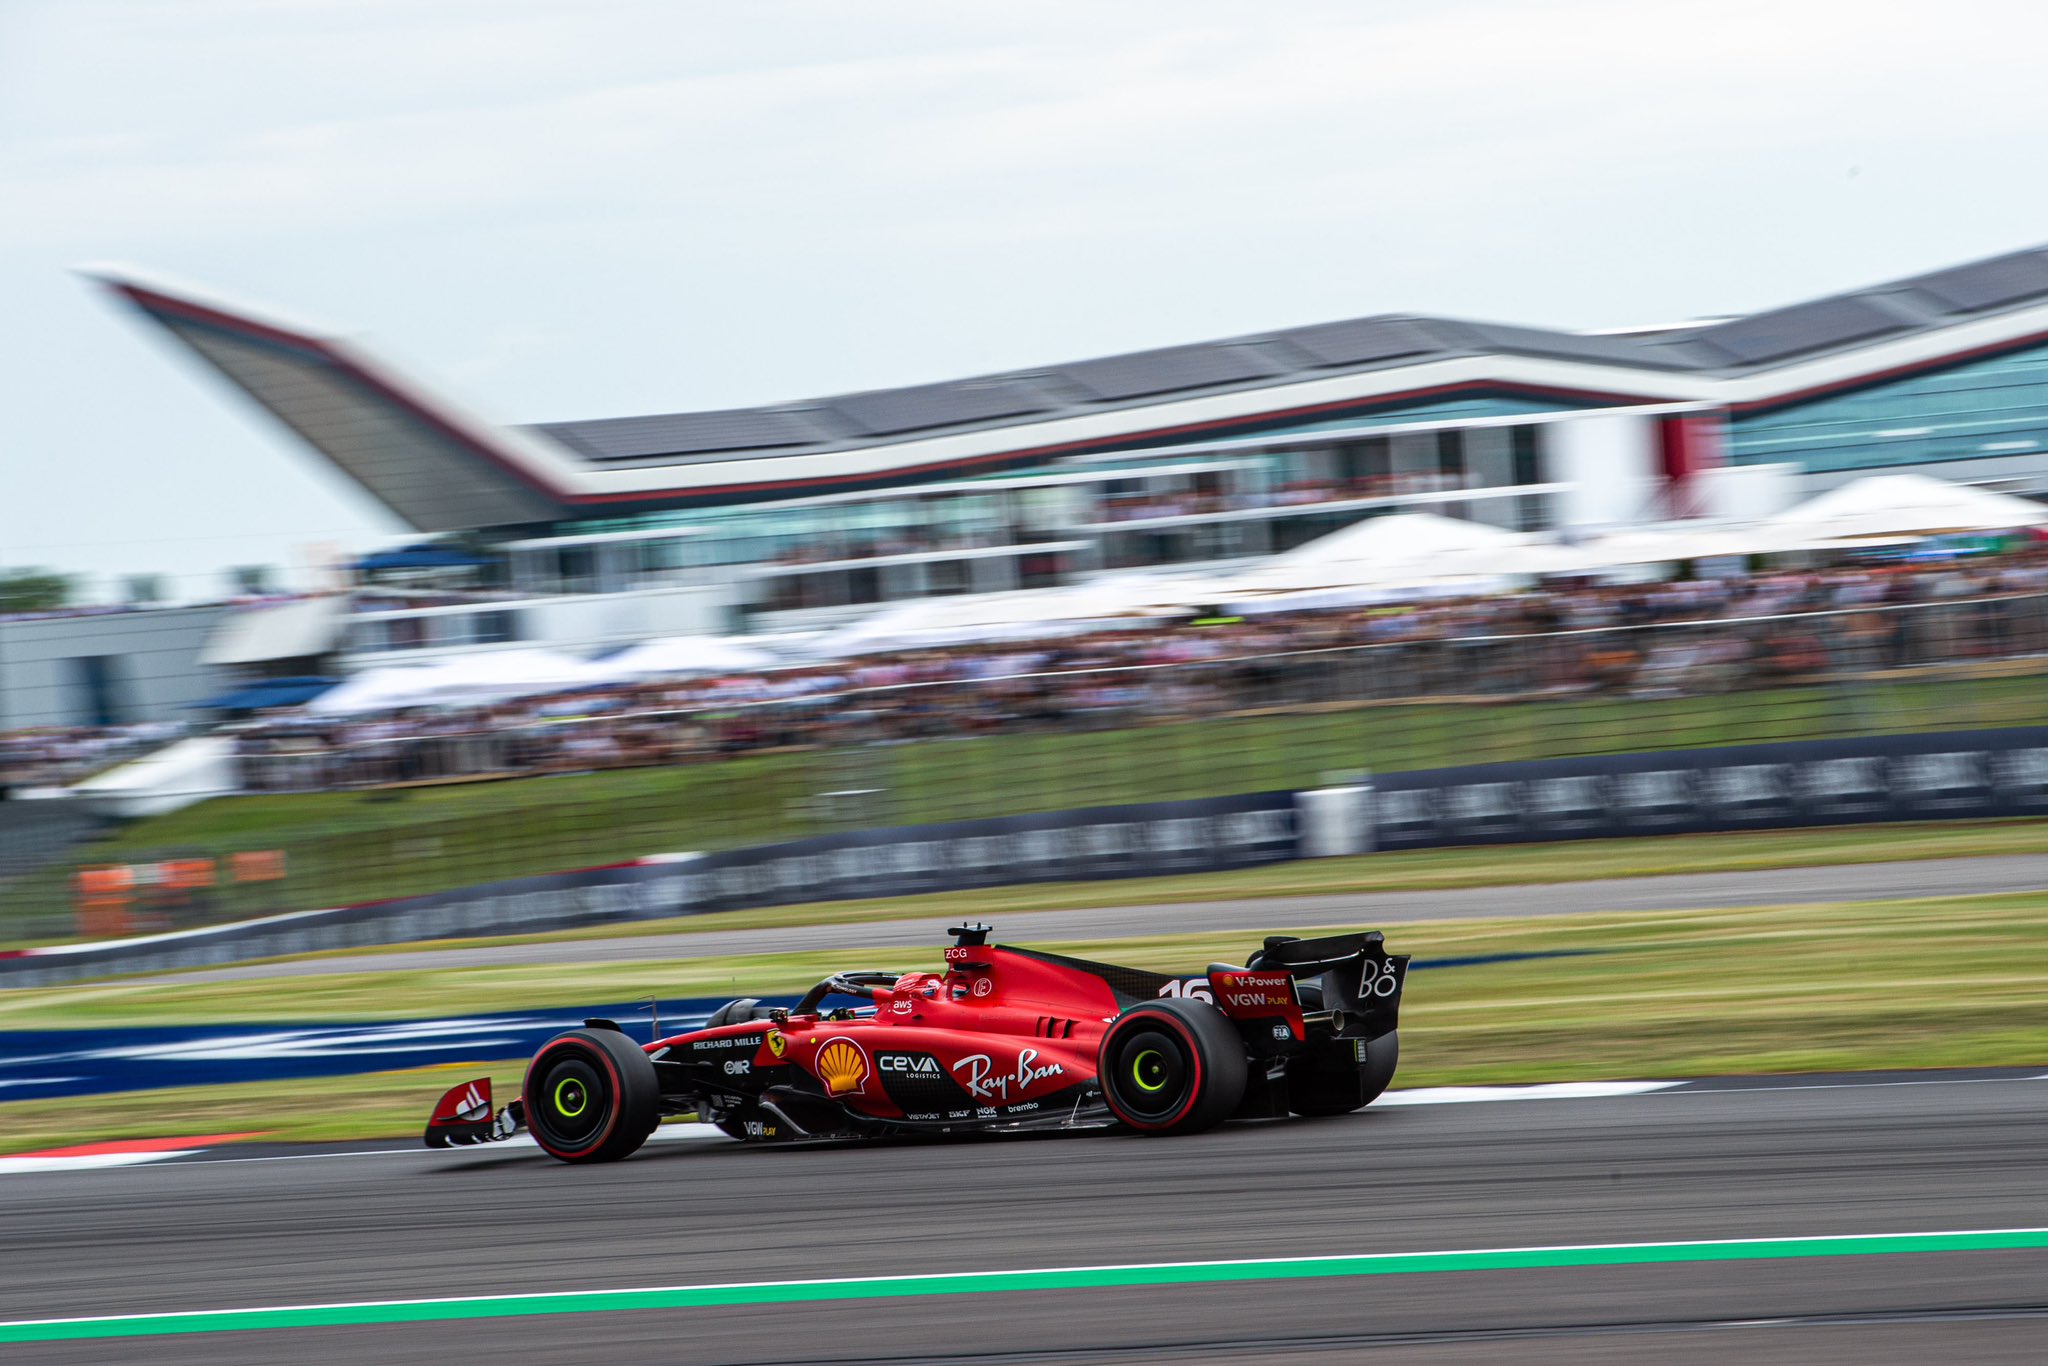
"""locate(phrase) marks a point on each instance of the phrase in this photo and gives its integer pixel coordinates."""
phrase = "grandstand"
(795, 513)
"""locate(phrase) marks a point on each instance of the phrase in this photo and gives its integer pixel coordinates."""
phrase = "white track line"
(667, 1133)
(1563, 1090)
(21, 1166)
(1425, 1095)
(1712, 1090)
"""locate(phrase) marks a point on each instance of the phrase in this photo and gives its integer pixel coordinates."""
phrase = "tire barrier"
(1944, 775)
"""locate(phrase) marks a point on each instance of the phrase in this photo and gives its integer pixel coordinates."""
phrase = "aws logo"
(843, 1067)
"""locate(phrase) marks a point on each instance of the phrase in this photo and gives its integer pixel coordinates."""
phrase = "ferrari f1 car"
(1005, 1039)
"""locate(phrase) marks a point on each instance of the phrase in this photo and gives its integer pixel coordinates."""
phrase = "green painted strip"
(1061, 1278)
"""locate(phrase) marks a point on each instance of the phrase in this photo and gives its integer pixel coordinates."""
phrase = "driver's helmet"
(900, 1000)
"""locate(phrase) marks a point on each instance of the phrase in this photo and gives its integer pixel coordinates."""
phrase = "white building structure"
(1207, 455)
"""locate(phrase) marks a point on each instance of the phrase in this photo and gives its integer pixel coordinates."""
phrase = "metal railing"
(1820, 673)
(410, 814)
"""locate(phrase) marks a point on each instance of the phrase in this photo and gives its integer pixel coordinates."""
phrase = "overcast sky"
(594, 209)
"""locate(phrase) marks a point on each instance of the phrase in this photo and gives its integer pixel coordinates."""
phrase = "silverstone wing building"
(1215, 451)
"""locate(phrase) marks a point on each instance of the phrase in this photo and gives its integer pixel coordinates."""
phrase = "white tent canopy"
(678, 655)
(1027, 614)
(1902, 505)
(930, 622)
(495, 675)
(1403, 537)
(1267, 602)
(399, 685)
(1386, 553)
(1623, 548)
(463, 680)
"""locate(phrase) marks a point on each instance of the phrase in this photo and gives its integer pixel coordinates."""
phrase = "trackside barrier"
(1140, 840)
(102, 896)
(1335, 821)
(115, 899)
(257, 865)
(1950, 775)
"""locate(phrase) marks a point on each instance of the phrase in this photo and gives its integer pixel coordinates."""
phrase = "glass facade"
(1974, 411)
(1447, 410)
(1143, 508)
(910, 520)
(904, 522)
(378, 634)
(1202, 498)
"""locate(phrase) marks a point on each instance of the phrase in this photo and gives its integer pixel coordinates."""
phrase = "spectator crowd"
(1661, 639)
(1688, 636)
(52, 756)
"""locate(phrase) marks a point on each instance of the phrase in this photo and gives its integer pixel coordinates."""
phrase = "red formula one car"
(1005, 1039)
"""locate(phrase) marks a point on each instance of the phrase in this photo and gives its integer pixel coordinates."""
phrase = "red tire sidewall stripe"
(618, 1096)
(1194, 1051)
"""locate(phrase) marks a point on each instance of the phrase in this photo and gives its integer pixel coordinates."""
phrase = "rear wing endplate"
(1360, 979)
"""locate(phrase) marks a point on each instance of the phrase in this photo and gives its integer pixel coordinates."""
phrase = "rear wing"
(1361, 982)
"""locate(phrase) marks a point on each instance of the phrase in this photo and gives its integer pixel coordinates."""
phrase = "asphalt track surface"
(1773, 886)
(1726, 1161)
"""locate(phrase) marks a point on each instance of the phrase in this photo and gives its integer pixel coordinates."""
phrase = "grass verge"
(1413, 870)
(347, 847)
(1943, 982)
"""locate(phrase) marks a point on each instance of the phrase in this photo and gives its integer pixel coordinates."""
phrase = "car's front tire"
(1172, 1066)
(591, 1096)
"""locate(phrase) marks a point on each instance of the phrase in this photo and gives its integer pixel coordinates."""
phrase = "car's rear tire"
(591, 1096)
(1173, 1066)
(1334, 1080)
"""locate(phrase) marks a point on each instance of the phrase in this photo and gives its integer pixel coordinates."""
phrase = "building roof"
(1135, 379)
(1758, 341)
(443, 468)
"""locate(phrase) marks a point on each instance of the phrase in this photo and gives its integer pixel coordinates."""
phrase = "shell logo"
(842, 1066)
